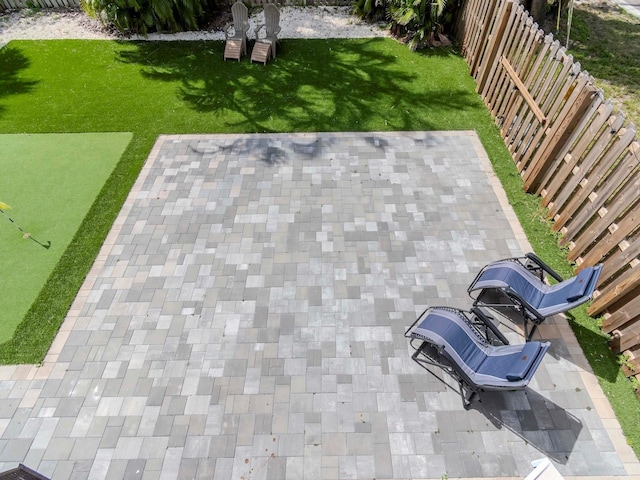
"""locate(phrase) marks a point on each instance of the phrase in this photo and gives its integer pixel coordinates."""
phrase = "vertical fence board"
(511, 114)
(626, 183)
(503, 89)
(549, 152)
(505, 14)
(598, 150)
(623, 340)
(628, 282)
(576, 213)
(622, 316)
(594, 139)
(579, 238)
(618, 222)
(563, 155)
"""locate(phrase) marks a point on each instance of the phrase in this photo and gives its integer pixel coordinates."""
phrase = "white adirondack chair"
(271, 27)
(236, 43)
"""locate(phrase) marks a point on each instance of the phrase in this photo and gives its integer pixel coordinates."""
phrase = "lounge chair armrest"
(540, 263)
(530, 358)
(258, 28)
(521, 367)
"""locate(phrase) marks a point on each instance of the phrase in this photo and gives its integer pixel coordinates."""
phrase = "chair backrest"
(272, 19)
(546, 299)
(450, 331)
(240, 18)
(514, 276)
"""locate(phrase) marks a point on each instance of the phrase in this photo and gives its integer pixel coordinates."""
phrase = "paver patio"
(245, 320)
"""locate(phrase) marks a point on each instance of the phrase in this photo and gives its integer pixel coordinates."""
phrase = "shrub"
(421, 22)
(147, 16)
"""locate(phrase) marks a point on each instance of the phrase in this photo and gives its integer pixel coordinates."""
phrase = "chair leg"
(422, 358)
(529, 335)
(467, 395)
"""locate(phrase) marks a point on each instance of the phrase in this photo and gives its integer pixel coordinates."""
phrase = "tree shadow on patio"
(268, 151)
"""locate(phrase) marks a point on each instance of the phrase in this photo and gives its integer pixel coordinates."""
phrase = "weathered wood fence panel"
(18, 4)
(571, 148)
(298, 3)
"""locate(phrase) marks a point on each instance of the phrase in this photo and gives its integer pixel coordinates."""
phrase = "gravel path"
(296, 22)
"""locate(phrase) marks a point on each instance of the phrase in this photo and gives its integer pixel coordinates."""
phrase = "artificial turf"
(50, 181)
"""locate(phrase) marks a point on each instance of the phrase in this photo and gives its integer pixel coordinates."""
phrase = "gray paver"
(245, 318)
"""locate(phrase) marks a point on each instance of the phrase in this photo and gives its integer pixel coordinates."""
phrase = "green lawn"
(185, 87)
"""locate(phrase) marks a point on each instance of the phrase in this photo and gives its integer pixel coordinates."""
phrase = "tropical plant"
(422, 20)
(146, 16)
(370, 9)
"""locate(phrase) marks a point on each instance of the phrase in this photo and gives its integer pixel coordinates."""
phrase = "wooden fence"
(75, 4)
(571, 148)
(19, 4)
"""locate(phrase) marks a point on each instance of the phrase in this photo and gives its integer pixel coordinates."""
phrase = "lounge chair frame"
(505, 299)
(431, 350)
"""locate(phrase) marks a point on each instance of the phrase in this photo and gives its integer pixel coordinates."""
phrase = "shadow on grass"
(313, 85)
(12, 62)
(151, 88)
(595, 346)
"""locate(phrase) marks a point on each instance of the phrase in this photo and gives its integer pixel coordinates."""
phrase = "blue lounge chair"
(517, 285)
(447, 338)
